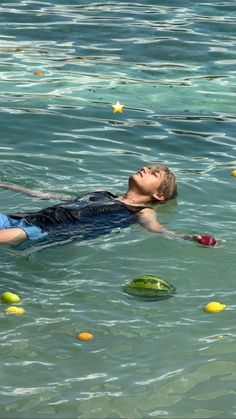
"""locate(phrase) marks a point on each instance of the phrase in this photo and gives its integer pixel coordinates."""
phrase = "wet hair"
(168, 187)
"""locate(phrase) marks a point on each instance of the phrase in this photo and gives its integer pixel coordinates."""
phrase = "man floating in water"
(94, 213)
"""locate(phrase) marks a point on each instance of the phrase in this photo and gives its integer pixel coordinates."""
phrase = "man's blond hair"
(169, 186)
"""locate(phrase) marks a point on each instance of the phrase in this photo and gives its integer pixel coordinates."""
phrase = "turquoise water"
(173, 67)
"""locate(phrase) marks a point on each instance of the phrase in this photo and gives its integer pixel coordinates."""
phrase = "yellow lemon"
(214, 307)
(10, 297)
(85, 336)
(233, 173)
(14, 310)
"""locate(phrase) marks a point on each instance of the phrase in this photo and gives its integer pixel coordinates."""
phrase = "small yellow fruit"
(214, 307)
(10, 297)
(14, 310)
(85, 336)
(233, 173)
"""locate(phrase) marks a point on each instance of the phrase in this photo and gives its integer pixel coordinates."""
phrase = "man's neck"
(131, 198)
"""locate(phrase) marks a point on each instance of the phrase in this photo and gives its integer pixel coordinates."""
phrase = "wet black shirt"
(84, 217)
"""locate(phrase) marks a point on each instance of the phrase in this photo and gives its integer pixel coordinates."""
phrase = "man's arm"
(147, 218)
(34, 193)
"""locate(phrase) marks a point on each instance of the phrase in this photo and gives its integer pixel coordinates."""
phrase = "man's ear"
(158, 196)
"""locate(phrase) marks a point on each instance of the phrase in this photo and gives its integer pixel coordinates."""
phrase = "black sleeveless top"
(84, 217)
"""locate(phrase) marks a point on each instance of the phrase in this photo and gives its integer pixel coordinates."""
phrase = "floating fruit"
(207, 240)
(85, 336)
(233, 173)
(214, 307)
(39, 73)
(14, 310)
(149, 286)
(10, 297)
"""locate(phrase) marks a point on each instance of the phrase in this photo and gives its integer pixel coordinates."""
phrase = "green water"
(173, 67)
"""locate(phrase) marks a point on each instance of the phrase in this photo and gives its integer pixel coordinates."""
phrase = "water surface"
(173, 67)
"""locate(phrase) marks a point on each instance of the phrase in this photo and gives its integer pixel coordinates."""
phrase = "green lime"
(10, 297)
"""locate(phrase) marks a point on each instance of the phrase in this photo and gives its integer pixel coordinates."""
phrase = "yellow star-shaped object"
(118, 107)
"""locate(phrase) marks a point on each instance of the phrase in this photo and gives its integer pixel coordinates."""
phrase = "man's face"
(147, 180)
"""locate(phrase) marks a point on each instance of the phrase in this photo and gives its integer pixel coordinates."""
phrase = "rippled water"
(173, 66)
